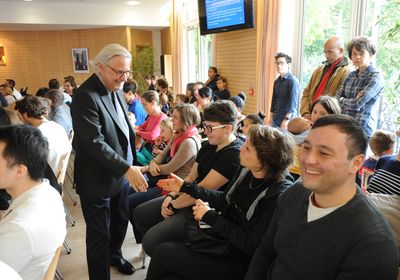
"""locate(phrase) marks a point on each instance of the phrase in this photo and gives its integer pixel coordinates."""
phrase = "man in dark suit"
(105, 152)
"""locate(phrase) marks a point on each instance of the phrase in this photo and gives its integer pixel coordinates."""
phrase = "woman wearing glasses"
(162, 219)
(240, 215)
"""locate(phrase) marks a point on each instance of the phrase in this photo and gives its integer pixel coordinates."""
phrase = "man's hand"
(173, 184)
(136, 179)
(199, 209)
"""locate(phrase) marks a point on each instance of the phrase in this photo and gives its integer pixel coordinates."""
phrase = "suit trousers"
(106, 224)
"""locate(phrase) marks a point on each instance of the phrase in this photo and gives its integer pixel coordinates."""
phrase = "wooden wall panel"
(34, 57)
(166, 46)
(236, 61)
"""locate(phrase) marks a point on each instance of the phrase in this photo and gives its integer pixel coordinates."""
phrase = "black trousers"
(106, 223)
(177, 261)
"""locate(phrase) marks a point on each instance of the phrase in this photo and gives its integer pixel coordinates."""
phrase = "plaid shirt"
(370, 82)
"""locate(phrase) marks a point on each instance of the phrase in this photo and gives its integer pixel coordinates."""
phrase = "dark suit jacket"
(99, 141)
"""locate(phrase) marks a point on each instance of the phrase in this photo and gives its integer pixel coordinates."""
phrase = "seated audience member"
(7, 93)
(212, 78)
(144, 156)
(362, 87)
(252, 120)
(285, 94)
(153, 83)
(69, 85)
(148, 82)
(239, 101)
(381, 144)
(386, 179)
(34, 225)
(324, 226)
(178, 157)
(196, 87)
(163, 89)
(190, 93)
(134, 102)
(216, 164)
(34, 113)
(221, 93)
(204, 98)
(150, 129)
(324, 105)
(60, 112)
(181, 98)
(11, 83)
(240, 215)
(165, 108)
(298, 128)
(3, 101)
(41, 91)
(55, 84)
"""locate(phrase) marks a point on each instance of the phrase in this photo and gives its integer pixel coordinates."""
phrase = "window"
(198, 48)
(372, 18)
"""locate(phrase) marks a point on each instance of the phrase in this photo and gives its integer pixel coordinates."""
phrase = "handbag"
(206, 241)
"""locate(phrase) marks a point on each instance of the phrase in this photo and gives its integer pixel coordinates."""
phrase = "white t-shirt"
(58, 144)
(31, 231)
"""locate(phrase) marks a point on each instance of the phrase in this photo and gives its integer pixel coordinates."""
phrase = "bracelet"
(171, 207)
(171, 196)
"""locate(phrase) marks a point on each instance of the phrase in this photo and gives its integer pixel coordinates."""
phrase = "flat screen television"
(225, 15)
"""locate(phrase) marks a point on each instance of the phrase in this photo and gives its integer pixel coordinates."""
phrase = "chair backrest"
(51, 271)
(64, 162)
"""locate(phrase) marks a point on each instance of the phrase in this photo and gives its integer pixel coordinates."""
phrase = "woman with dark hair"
(190, 93)
(60, 112)
(240, 215)
(324, 105)
(150, 129)
(212, 78)
(216, 164)
(69, 85)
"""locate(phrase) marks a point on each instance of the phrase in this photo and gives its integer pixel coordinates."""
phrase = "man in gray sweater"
(324, 226)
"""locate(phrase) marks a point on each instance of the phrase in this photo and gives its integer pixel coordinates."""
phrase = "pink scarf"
(180, 137)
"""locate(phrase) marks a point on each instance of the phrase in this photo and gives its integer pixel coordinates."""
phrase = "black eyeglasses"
(120, 73)
(210, 128)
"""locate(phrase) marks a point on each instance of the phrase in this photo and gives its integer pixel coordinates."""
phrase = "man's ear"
(22, 170)
(357, 163)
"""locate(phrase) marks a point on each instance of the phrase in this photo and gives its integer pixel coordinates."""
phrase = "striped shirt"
(386, 179)
(370, 82)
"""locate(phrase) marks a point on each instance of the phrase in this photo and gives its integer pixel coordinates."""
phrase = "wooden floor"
(73, 266)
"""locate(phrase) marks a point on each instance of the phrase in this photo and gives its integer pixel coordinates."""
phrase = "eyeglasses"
(120, 73)
(210, 128)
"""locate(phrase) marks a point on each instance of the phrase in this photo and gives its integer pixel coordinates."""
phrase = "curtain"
(177, 43)
(267, 46)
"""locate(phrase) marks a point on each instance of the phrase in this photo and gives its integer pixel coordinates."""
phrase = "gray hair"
(107, 53)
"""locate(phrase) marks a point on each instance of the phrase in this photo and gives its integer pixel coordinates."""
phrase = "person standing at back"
(328, 77)
(104, 143)
(286, 93)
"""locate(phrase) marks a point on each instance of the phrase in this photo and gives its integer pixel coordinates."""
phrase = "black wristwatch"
(171, 207)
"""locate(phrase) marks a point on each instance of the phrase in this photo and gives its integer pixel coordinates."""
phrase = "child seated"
(298, 129)
(252, 120)
(381, 144)
(166, 132)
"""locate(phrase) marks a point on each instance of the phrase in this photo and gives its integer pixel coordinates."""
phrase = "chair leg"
(58, 275)
(69, 215)
(67, 248)
(144, 260)
(70, 194)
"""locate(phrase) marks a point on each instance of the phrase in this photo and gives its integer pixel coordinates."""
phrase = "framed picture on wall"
(2, 56)
(80, 60)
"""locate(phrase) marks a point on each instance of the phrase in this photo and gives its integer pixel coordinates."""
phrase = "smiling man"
(105, 152)
(324, 227)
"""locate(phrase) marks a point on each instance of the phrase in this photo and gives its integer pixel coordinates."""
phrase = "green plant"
(142, 65)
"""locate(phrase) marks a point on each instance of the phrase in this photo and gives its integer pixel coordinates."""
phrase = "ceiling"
(82, 14)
